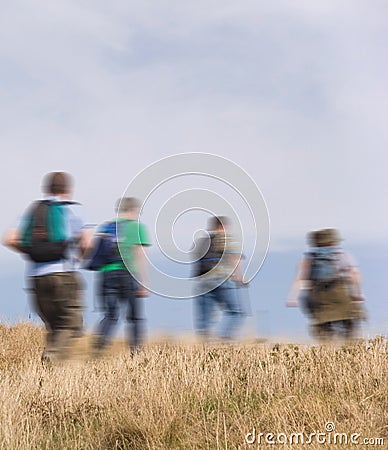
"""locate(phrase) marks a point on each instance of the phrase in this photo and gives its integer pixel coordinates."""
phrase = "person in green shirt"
(125, 275)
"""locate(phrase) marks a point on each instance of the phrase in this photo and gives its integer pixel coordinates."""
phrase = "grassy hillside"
(190, 396)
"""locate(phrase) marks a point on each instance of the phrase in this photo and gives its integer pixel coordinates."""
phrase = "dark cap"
(327, 237)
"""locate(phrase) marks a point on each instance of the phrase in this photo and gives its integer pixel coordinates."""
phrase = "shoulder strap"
(35, 217)
(68, 202)
(40, 214)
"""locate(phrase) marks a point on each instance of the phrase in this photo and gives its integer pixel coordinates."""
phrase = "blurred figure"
(117, 262)
(218, 269)
(328, 288)
(52, 237)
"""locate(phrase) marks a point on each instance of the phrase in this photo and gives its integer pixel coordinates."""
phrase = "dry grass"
(175, 396)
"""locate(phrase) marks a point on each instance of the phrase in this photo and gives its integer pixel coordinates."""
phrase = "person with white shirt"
(53, 262)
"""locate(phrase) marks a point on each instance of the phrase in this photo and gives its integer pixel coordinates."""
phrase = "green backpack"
(43, 238)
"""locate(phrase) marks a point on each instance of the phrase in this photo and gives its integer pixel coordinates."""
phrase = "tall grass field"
(174, 395)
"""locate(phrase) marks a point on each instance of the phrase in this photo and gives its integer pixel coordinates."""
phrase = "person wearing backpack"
(328, 284)
(218, 272)
(120, 260)
(52, 238)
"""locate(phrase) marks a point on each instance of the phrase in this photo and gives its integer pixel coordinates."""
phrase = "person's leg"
(323, 332)
(204, 313)
(78, 306)
(43, 291)
(227, 297)
(110, 294)
(199, 315)
(349, 328)
(68, 311)
(135, 312)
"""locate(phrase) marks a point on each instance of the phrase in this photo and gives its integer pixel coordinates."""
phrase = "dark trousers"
(57, 301)
(119, 289)
(345, 329)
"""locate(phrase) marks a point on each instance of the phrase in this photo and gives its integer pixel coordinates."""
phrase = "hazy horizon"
(265, 297)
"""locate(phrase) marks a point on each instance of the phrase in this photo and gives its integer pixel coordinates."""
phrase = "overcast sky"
(294, 92)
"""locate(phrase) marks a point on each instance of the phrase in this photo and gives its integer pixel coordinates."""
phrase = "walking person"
(52, 237)
(122, 267)
(328, 288)
(218, 272)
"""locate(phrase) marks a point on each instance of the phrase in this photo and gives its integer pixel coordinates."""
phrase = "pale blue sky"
(293, 92)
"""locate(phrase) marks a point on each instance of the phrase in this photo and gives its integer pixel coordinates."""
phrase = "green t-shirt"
(131, 233)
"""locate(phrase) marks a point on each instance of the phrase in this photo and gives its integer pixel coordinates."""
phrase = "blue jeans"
(119, 289)
(227, 299)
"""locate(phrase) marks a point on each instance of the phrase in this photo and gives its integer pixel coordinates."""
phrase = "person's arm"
(353, 276)
(233, 253)
(86, 241)
(303, 271)
(11, 239)
(141, 270)
(235, 261)
(355, 280)
(299, 283)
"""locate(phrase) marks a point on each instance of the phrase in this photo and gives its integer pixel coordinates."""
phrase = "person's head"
(128, 207)
(218, 223)
(58, 184)
(328, 237)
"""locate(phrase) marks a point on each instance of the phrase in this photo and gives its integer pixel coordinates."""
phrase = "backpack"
(43, 238)
(325, 266)
(106, 249)
(213, 255)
